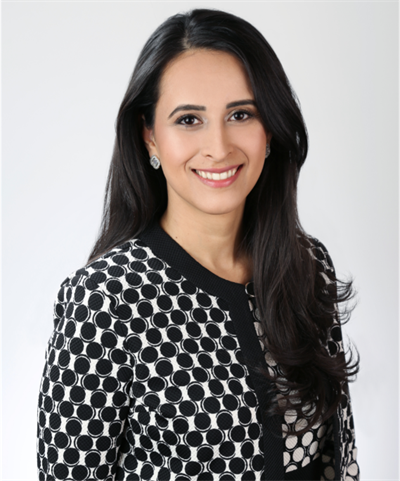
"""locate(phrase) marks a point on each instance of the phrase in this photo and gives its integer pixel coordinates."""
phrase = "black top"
(149, 375)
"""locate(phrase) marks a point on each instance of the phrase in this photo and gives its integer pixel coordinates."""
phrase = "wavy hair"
(296, 308)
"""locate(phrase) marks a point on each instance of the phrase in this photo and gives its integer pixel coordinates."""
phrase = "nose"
(216, 142)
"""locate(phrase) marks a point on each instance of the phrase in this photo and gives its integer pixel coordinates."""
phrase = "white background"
(65, 69)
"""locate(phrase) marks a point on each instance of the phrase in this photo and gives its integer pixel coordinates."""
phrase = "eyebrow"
(237, 103)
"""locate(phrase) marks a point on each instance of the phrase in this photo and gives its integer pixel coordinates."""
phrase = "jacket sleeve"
(349, 469)
(84, 392)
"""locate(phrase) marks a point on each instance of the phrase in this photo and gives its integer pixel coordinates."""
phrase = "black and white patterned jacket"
(147, 378)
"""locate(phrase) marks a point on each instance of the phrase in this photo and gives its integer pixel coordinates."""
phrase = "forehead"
(204, 76)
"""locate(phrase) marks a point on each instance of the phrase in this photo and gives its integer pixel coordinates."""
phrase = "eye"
(189, 120)
(186, 120)
(241, 113)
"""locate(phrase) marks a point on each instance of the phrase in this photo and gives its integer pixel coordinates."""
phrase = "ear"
(148, 138)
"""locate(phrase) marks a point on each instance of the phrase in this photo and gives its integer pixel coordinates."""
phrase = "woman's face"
(201, 129)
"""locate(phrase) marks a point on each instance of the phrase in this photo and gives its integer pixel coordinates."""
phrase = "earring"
(155, 162)
(267, 151)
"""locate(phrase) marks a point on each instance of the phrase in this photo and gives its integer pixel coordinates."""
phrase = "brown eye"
(186, 120)
(242, 115)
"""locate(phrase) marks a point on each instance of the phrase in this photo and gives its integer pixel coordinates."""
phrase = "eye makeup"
(249, 114)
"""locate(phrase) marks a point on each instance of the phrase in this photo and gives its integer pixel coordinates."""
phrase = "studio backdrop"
(66, 66)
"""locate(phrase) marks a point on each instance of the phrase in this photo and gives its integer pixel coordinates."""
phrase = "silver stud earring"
(267, 151)
(155, 162)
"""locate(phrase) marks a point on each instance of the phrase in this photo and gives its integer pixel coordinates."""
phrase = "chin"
(219, 209)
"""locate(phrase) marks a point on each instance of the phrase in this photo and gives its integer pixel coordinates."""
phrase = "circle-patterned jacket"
(148, 376)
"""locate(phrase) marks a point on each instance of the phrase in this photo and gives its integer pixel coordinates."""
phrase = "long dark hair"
(296, 308)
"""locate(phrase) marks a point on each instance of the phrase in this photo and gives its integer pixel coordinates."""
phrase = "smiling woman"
(203, 339)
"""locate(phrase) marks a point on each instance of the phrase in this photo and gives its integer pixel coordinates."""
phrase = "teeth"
(213, 176)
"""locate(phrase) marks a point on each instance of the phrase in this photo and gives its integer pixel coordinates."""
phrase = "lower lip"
(219, 183)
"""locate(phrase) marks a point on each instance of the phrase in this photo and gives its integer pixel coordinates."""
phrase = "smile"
(218, 179)
(215, 176)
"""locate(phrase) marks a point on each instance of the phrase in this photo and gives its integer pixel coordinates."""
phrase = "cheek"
(253, 144)
(175, 147)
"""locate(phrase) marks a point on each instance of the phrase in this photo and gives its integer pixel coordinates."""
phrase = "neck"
(212, 240)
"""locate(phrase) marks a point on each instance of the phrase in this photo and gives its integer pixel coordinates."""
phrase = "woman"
(202, 340)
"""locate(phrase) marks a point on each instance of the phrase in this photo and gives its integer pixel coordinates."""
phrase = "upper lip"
(223, 169)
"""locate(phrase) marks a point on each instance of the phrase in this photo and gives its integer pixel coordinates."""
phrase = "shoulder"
(113, 264)
(112, 290)
(320, 253)
(126, 265)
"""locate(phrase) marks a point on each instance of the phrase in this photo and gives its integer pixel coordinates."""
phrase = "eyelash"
(179, 120)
